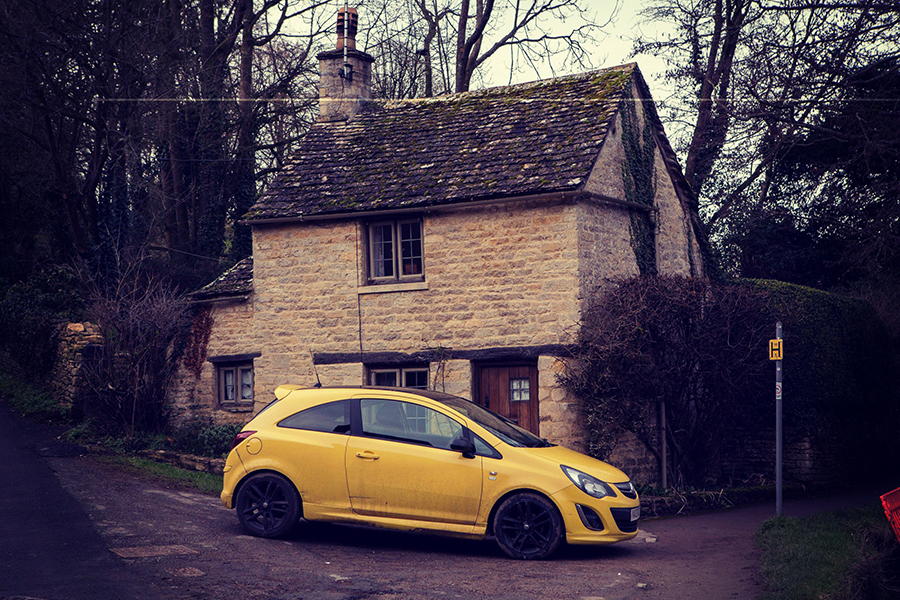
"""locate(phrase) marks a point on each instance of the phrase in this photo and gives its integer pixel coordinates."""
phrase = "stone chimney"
(345, 73)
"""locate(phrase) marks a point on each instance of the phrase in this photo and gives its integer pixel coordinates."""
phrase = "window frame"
(397, 251)
(401, 372)
(236, 369)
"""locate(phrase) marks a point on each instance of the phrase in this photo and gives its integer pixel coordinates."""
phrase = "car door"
(401, 466)
(312, 444)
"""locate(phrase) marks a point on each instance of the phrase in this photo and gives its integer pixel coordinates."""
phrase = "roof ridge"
(498, 89)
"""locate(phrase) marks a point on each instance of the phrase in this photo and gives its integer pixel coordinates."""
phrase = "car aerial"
(419, 460)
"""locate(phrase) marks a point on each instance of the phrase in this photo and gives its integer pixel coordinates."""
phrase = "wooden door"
(510, 390)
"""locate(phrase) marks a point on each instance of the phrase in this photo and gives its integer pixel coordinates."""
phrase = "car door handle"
(367, 455)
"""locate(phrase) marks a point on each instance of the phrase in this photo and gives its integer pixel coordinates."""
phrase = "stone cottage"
(446, 242)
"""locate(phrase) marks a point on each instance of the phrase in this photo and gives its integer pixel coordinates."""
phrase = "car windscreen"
(501, 427)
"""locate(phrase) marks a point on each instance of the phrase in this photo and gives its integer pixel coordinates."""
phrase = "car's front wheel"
(528, 526)
(267, 505)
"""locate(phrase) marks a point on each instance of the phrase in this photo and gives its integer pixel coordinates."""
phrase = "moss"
(608, 83)
(639, 177)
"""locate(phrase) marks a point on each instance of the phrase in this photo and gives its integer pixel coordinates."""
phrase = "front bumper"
(590, 520)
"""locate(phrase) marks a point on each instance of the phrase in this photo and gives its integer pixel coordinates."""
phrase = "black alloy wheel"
(528, 526)
(268, 505)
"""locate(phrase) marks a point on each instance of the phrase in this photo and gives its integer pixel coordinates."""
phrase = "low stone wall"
(812, 460)
(190, 462)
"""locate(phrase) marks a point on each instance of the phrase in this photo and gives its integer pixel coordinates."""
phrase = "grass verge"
(836, 556)
(204, 483)
(30, 401)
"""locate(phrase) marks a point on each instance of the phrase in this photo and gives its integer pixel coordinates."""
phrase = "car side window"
(408, 422)
(333, 417)
(482, 448)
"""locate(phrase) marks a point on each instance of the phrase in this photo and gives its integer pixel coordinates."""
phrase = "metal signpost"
(776, 353)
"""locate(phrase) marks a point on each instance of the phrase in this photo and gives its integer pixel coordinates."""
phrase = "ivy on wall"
(639, 177)
(198, 341)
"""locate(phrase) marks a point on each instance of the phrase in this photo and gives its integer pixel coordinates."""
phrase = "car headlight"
(588, 484)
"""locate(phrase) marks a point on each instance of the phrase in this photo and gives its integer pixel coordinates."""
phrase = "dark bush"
(29, 400)
(701, 348)
(203, 438)
(840, 374)
(29, 314)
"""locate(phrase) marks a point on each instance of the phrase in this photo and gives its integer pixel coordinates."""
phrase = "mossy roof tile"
(531, 138)
(236, 281)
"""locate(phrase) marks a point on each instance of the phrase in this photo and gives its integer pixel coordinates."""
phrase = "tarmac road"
(50, 548)
(76, 528)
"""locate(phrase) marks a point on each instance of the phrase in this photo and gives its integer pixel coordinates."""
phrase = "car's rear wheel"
(267, 505)
(528, 526)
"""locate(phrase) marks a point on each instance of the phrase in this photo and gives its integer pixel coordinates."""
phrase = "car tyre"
(528, 526)
(268, 505)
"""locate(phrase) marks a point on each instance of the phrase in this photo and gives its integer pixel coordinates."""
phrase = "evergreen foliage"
(29, 314)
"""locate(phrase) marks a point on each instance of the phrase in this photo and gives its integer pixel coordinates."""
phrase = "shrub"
(140, 319)
(29, 313)
(203, 438)
(687, 342)
(701, 348)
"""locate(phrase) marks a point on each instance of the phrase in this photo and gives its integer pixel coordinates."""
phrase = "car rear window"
(333, 417)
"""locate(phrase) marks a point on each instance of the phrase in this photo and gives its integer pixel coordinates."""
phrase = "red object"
(891, 503)
(243, 435)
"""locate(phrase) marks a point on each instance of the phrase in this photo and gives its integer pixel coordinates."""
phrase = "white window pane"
(381, 239)
(246, 384)
(228, 385)
(519, 390)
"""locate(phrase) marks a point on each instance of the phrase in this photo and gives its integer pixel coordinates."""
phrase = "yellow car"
(418, 460)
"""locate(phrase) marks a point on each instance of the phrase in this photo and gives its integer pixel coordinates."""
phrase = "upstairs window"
(408, 377)
(395, 251)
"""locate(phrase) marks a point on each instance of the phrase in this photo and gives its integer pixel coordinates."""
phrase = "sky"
(614, 48)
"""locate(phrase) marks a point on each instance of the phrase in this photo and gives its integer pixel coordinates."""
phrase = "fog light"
(590, 518)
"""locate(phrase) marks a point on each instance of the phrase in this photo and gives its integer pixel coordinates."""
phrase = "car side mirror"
(464, 445)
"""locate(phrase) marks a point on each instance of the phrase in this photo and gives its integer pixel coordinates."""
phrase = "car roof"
(284, 390)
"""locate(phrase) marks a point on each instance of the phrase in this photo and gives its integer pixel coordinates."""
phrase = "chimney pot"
(347, 25)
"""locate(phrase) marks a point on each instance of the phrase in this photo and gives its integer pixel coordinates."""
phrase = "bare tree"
(160, 120)
(141, 319)
(749, 75)
(445, 43)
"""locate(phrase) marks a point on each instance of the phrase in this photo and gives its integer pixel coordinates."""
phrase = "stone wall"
(559, 413)
(66, 379)
(816, 460)
(194, 391)
(636, 460)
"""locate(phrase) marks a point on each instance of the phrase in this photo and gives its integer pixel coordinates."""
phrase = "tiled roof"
(236, 281)
(532, 138)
